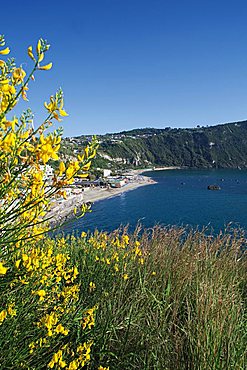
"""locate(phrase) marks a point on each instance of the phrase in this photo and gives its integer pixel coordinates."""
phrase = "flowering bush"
(50, 289)
(39, 288)
(25, 194)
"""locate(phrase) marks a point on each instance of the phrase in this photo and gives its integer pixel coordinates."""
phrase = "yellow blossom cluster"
(11, 311)
(46, 276)
(89, 318)
(116, 252)
(81, 354)
(50, 321)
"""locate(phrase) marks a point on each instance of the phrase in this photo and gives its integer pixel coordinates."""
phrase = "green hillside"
(221, 146)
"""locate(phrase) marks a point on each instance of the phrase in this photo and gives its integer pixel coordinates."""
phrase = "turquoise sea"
(180, 197)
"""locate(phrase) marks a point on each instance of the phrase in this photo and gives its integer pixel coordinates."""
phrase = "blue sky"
(125, 64)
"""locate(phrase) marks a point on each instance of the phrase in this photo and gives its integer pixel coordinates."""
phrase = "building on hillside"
(88, 183)
(106, 172)
(117, 182)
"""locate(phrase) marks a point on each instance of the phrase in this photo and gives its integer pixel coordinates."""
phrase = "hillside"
(220, 146)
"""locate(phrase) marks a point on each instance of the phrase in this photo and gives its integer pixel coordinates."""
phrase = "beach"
(64, 209)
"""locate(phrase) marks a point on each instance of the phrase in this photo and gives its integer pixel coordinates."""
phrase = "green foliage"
(222, 146)
(169, 300)
(181, 306)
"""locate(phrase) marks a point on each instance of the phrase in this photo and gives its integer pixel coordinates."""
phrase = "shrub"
(38, 283)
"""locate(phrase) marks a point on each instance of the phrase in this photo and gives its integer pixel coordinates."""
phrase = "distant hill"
(220, 146)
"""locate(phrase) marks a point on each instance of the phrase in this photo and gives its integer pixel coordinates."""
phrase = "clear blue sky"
(125, 64)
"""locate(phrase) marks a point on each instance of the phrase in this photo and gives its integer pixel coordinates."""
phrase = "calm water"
(180, 197)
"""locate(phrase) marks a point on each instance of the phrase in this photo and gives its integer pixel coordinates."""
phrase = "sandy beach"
(63, 209)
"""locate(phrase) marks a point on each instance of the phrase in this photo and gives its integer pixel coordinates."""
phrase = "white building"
(106, 172)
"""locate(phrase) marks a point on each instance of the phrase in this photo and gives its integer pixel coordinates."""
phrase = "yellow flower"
(3, 82)
(125, 276)
(46, 67)
(126, 239)
(61, 330)
(30, 52)
(18, 75)
(61, 168)
(57, 359)
(9, 142)
(50, 320)
(41, 57)
(5, 51)
(75, 272)
(3, 269)
(23, 93)
(86, 150)
(89, 320)
(11, 310)
(41, 293)
(52, 106)
(48, 148)
(51, 364)
(103, 368)
(62, 112)
(73, 365)
(3, 315)
(38, 48)
(55, 107)
(32, 347)
(11, 124)
(62, 364)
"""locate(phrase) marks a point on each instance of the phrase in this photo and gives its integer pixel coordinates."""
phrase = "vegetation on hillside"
(221, 146)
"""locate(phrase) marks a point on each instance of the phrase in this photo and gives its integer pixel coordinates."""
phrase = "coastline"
(64, 209)
(94, 195)
(143, 170)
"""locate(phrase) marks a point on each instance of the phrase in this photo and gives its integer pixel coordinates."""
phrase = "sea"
(178, 198)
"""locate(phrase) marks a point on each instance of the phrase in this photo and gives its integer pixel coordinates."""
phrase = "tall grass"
(166, 299)
(184, 308)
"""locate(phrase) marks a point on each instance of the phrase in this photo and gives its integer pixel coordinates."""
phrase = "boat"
(214, 187)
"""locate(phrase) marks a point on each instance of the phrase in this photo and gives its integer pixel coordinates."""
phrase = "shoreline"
(94, 195)
(64, 209)
(143, 170)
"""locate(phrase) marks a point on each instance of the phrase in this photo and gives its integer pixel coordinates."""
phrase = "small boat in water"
(214, 187)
